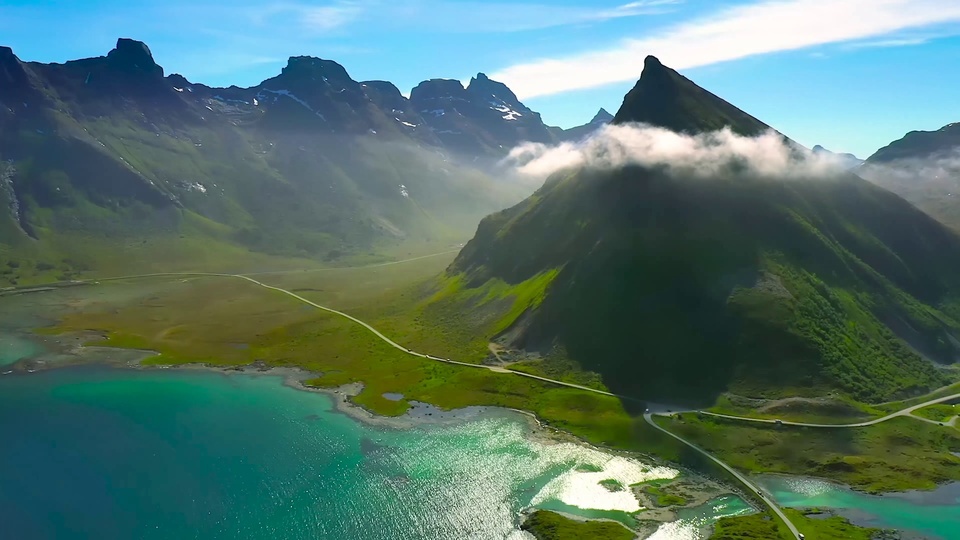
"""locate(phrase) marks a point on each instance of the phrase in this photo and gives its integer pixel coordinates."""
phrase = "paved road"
(387, 340)
(905, 412)
(743, 479)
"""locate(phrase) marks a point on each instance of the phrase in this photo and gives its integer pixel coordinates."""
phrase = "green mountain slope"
(103, 153)
(684, 287)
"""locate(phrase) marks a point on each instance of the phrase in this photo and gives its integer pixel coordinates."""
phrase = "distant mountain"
(109, 151)
(577, 133)
(485, 119)
(676, 286)
(924, 168)
(845, 161)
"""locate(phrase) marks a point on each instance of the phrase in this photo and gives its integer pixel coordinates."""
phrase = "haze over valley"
(325, 307)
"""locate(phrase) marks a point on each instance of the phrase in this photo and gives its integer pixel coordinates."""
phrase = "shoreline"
(70, 351)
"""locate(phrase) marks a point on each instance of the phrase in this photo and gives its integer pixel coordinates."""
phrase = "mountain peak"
(602, 117)
(651, 62)
(134, 56)
(11, 70)
(664, 98)
(313, 68)
(437, 88)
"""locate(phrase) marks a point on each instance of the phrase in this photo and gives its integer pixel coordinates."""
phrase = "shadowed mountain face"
(105, 150)
(670, 285)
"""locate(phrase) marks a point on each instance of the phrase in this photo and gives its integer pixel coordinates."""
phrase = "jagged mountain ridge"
(670, 285)
(310, 162)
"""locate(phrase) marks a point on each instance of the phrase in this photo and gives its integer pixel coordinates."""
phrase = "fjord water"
(934, 514)
(96, 452)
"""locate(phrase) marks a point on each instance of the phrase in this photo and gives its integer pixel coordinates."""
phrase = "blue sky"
(851, 75)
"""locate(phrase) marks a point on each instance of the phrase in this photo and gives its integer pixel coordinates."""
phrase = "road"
(374, 331)
(905, 412)
(648, 416)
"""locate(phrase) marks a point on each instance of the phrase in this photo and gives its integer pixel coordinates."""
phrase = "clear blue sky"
(851, 75)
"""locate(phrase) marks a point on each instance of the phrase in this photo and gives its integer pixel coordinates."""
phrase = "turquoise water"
(14, 348)
(107, 453)
(96, 452)
(933, 514)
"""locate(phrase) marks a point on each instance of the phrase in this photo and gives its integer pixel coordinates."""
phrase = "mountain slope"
(681, 287)
(924, 168)
(105, 152)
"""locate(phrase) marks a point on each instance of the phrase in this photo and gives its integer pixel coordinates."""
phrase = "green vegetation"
(764, 527)
(896, 455)
(612, 485)
(229, 322)
(938, 413)
(545, 525)
(663, 498)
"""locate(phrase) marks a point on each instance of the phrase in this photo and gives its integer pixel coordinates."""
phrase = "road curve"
(385, 339)
(904, 412)
(743, 479)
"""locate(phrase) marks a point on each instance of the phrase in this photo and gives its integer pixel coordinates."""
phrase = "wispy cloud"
(465, 17)
(759, 28)
(893, 42)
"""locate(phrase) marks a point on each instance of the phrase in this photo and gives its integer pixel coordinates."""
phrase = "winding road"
(648, 416)
(905, 412)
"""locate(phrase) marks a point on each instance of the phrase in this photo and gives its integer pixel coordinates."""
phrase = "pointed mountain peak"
(664, 98)
(134, 57)
(602, 117)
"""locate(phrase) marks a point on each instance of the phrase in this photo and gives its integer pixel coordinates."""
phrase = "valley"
(738, 308)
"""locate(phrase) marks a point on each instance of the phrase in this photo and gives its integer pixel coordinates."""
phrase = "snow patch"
(404, 192)
(408, 124)
(178, 89)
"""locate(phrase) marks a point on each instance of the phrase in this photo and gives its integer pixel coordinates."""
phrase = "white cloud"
(463, 17)
(759, 28)
(707, 154)
(331, 17)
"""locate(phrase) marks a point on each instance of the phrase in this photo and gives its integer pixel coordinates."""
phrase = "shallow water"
(934, 514)
(100, 452)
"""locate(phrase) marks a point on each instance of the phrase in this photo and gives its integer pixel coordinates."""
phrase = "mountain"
(109, 151)
(483, 119)
(577, 133)
(846, 161)
(924, 168)
(679, 286)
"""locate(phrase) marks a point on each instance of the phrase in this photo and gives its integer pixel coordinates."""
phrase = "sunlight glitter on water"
(583, 489)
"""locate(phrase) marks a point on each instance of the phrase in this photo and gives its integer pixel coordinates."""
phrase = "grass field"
(897, 455)
(763, 527)
(942, 412)
(225, 322)
(545, 525)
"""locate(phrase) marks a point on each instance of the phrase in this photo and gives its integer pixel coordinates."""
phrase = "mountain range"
(110, 151)
(671, 284)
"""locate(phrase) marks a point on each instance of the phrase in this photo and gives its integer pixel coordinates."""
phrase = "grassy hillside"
(681, 287)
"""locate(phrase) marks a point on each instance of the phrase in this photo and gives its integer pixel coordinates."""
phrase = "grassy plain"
(763, 527)
(896, 455)
(545, 525)
(227, 322)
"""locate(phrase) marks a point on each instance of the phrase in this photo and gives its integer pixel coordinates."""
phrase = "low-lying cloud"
(707, 154)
